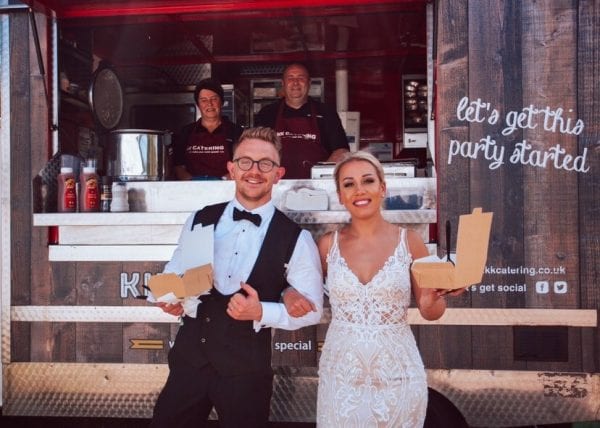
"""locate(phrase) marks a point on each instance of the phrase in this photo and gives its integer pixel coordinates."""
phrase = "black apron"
(301, 143)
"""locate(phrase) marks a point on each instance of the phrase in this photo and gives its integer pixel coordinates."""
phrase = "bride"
(370, 371)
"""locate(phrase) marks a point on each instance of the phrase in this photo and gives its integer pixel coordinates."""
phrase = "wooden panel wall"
(588, 96)
(495, 78)
(28, 128)
(549, 79)
(451, 21)
(551, 208)
(145, 331)
(35, 280)
(510, 54)
(98, 284)
(514, 55)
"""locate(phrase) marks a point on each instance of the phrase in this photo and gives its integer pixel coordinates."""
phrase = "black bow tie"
(246, 215)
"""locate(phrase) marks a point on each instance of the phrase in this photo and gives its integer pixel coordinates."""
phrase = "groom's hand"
(245, 307)
(175, 309)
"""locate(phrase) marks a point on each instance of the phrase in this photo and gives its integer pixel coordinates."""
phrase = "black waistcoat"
(213, 337)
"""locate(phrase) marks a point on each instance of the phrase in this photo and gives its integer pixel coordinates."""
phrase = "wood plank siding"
(507, 56)
(514, 55)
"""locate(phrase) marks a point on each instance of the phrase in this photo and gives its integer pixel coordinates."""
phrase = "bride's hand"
(296, 304)
(430, 297)
(454, 292)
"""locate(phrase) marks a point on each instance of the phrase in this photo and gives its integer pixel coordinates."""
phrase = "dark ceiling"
(157, 46)
(191, 32)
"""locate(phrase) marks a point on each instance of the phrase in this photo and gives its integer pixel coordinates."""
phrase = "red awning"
(68, 9)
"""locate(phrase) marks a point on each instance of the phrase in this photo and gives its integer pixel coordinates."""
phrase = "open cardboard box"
(471, 255)
(195, 281)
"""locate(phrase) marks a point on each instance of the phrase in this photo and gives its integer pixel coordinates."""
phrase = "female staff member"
(202, 149)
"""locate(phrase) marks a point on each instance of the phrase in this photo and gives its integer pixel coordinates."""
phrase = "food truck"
(490, 104)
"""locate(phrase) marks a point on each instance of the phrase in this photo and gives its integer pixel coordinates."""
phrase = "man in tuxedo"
(222, 356)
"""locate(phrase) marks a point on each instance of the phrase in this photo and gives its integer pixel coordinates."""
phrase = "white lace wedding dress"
(370, 371)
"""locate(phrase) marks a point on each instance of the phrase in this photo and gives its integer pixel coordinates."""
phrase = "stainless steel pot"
(138, 155)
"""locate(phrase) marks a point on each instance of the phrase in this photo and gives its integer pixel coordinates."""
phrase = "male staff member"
(201, 150)
(222, 357)
(310, 131)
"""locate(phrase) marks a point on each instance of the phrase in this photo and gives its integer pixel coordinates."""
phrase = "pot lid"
(106, 97)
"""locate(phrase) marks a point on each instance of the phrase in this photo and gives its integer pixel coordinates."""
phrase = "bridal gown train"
(370, 371)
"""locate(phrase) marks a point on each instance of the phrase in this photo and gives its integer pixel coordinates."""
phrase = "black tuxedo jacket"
(213, 337)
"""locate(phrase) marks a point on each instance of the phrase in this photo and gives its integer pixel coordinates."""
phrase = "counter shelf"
(151, 230)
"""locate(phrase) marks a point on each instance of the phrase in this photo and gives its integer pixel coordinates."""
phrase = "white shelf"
(152, 235)
(177, 219)
(107, 253)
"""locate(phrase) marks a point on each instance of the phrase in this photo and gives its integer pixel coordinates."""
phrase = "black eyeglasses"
(264, 165)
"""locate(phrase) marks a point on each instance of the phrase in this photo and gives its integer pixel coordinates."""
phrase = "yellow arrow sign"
(146, 344)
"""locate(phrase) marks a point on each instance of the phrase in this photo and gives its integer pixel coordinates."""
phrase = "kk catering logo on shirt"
(297, 136)
(198, 149)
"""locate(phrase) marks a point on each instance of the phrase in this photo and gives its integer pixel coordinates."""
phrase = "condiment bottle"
(89, 192)
(120, 202)
(106, 196)
(67, 196)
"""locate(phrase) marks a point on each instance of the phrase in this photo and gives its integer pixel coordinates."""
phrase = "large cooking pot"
(138, 154)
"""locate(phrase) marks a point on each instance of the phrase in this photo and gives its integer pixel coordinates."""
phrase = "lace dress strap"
(332, 259)
(403, 244)
(334, 248)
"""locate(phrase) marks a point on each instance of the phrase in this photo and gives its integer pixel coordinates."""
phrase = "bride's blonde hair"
(358, 156)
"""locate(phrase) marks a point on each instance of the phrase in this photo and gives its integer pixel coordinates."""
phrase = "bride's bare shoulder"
(416, 245)
(324, 242)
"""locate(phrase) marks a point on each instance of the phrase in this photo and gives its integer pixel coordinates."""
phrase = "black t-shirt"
(229, 131)
(332, 133)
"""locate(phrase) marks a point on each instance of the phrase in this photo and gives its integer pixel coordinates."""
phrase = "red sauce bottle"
(67, 193)
(89, 191)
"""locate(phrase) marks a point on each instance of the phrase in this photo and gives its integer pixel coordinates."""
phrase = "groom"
(222, 357)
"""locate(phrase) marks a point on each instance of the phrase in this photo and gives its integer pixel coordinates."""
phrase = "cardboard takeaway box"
(471, 255)
(194, 281)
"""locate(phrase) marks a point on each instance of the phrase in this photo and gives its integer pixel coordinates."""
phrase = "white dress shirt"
(236, 248)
